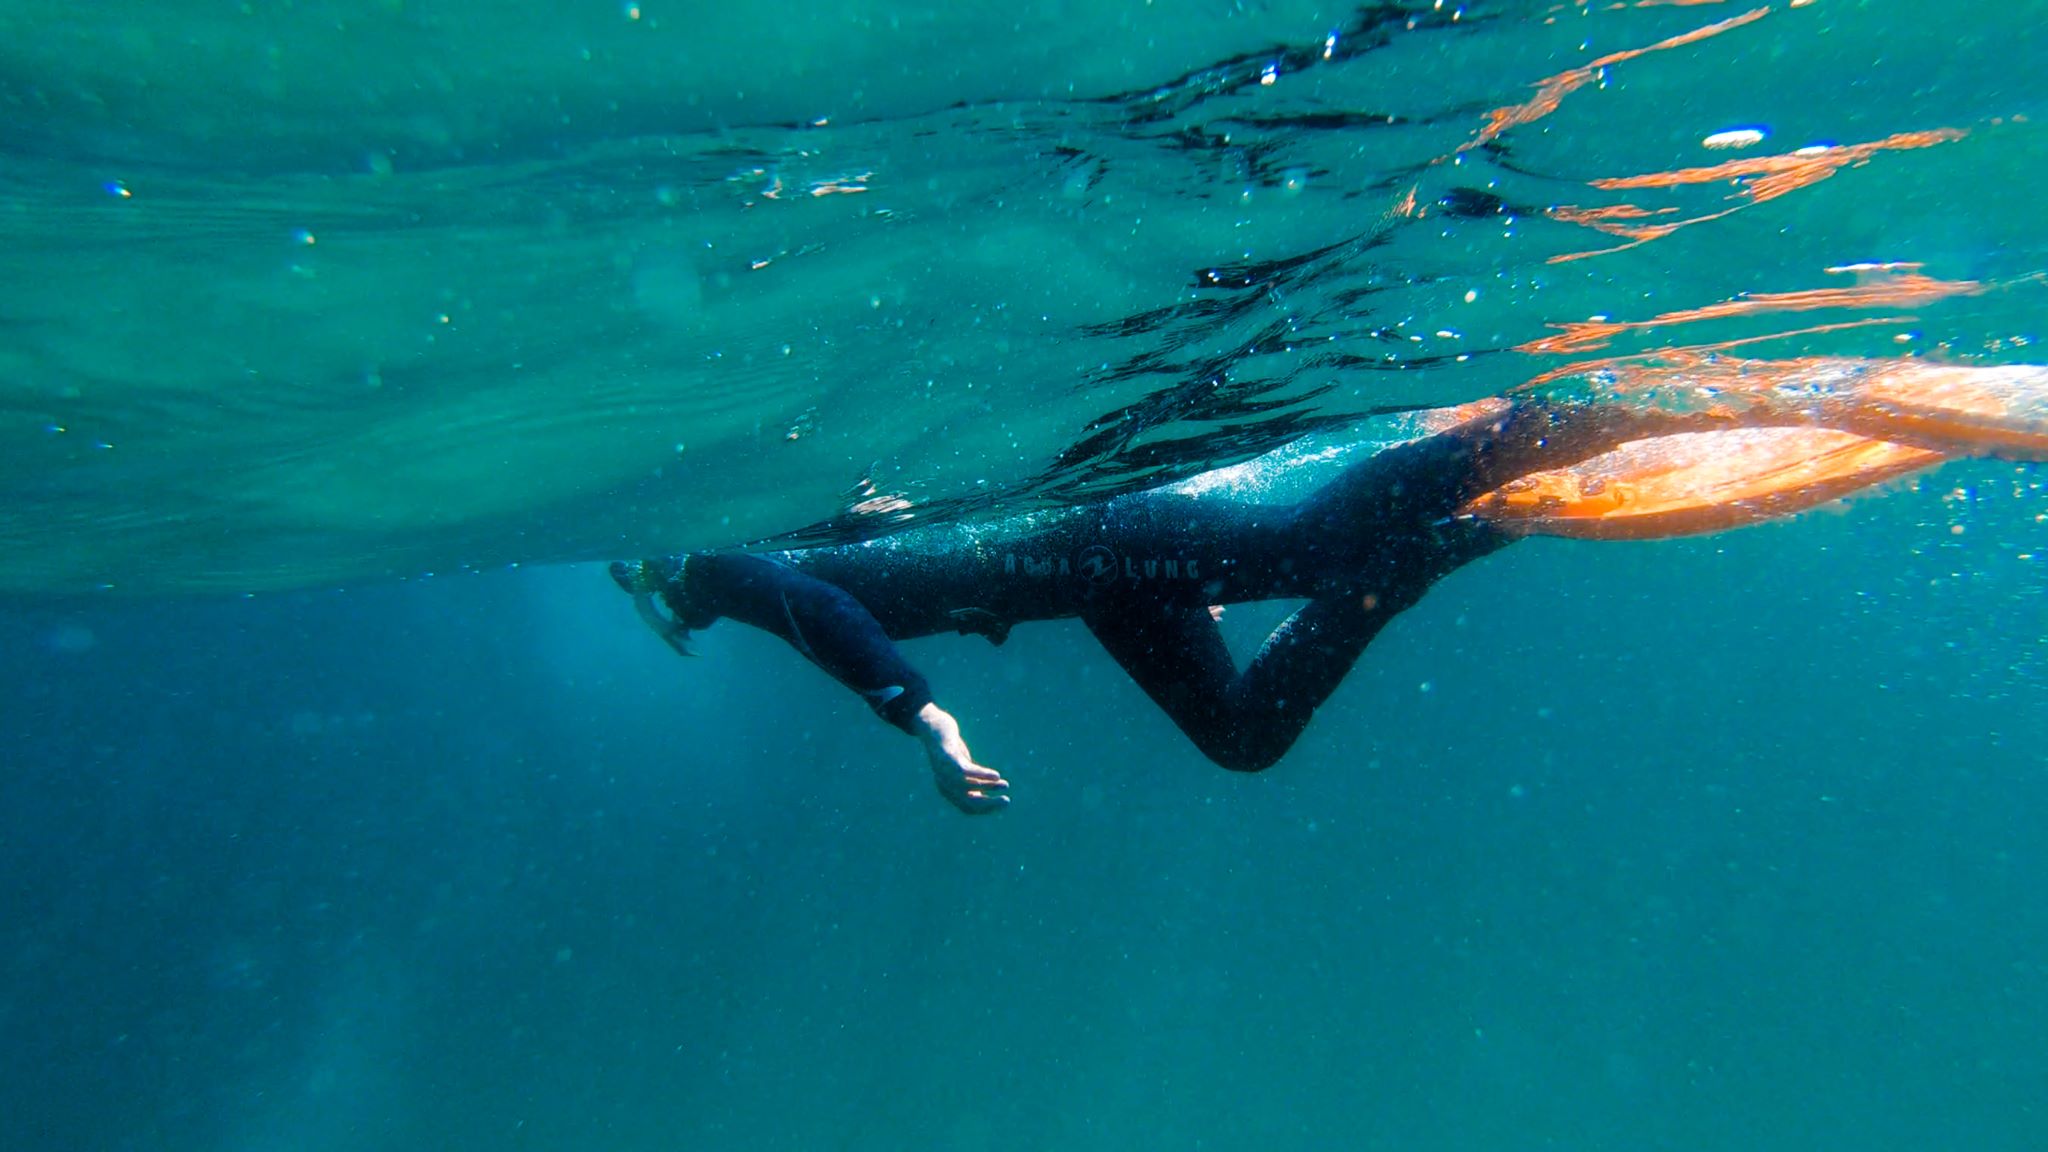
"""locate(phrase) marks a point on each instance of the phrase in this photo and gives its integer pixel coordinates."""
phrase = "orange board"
(1694, 482)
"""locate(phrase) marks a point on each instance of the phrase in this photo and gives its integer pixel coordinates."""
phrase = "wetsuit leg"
(1416, 487)
(1379, 536)
(1245, 721)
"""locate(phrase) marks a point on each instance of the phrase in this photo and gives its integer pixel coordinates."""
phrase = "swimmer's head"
(658, 595)
(641, 576)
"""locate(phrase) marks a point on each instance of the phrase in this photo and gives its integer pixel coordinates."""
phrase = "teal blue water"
(1721, 843)
(1730, 843)
(325, 294)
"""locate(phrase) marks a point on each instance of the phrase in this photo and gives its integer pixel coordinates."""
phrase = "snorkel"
(645, 586)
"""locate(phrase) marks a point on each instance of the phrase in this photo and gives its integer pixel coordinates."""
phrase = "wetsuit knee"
(1239, 757)
(1239, 746)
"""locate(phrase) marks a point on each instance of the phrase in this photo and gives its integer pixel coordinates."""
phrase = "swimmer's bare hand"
(966, 785)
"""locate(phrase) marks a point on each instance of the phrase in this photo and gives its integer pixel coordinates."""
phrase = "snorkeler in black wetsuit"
(1147, 571)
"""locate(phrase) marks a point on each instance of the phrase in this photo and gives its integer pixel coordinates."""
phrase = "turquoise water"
(1722, 843)
(324, 294)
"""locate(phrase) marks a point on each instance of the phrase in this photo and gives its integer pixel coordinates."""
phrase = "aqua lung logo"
(1099, 564)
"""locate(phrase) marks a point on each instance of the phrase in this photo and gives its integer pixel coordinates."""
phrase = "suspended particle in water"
(1736, 138)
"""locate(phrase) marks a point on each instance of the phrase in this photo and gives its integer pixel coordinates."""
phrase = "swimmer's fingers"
(970, 787)
(978, 803)
(981, 777)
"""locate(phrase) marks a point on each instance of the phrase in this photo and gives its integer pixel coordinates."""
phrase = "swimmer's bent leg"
(823, 621)
(1246, 721)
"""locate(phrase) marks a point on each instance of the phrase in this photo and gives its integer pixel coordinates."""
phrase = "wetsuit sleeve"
(831, 628)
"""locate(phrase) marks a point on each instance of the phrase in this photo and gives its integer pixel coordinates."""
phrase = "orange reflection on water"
(1761, 178)
(1686, 354)
(1777, 175)
(1906, 287)
(1551, 91)
(1611, 220)
(1581, 6)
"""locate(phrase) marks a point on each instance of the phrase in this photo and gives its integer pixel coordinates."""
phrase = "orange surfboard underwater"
(1801, 433)
(1694, 482)
(1999, 411)
(1957, 409)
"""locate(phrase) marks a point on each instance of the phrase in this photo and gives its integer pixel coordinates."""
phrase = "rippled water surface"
(308, 295)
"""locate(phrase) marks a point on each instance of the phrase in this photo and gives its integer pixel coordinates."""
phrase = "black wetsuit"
(1142, 571)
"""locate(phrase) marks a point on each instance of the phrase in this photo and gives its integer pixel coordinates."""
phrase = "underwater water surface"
(341, 806)
(455, 287)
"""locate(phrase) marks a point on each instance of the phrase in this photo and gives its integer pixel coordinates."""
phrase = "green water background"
(307, 295)
(1714, 844)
